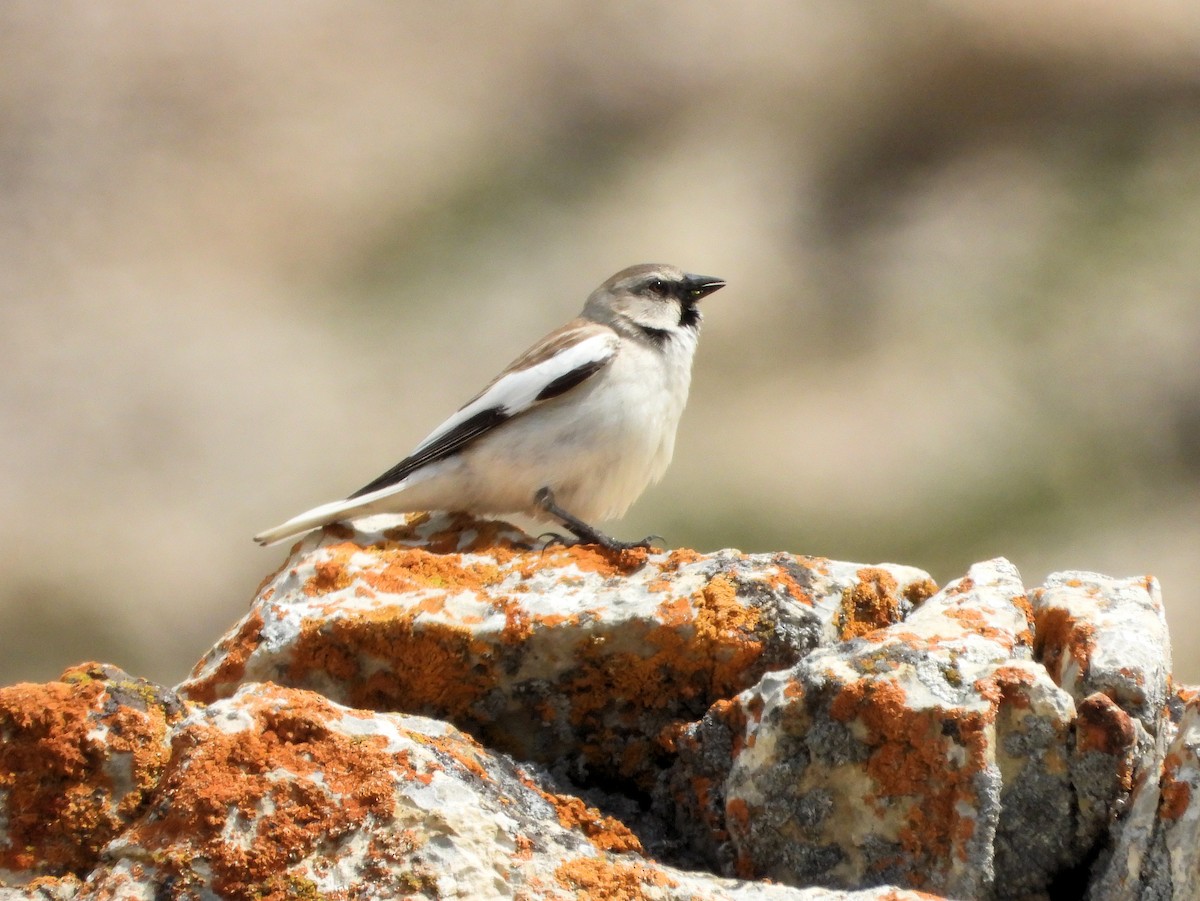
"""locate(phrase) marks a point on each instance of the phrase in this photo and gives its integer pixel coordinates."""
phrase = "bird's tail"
(317, 516)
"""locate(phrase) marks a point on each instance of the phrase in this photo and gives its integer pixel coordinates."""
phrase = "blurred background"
(251, 253)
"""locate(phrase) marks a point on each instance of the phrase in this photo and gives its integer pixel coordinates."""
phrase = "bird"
(570, 433)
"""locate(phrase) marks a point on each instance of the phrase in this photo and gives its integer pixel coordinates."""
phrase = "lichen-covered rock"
(918, 754)
(1105, 641)
(1156, 846)
(814, 722)
(279, 793)
(568, 656)
(1096, 634)
(78, 759)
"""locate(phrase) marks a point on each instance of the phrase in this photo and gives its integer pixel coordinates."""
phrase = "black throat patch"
(657, 336)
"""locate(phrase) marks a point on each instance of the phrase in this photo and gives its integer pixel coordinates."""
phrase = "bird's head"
(654, 298)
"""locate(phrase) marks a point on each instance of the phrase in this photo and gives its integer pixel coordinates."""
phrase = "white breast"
(625, 428)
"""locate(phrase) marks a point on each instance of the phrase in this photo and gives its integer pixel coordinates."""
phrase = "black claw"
(552, 539)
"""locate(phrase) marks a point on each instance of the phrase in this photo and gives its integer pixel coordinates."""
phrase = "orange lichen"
(911, 640)
(588, 558)
(221, 780)
(524, 849)
(737, 818)
(707, 652)
(381, 657)
(233, 652)
(869, 604)
(1102, 726)
(64, 796)
(68, 886)
(912, 764)
(328, 575)
(395, 569)
(670, 566)
(675, 612)
(1025, 637)
(1188, 694)
(404, 656)
(976, 622)
(780, 577)
(846, 703)
(1057, 635)
(964, 586)
(1006, 685)
(916, 593)
(604, 832)
(460, 748)
(518, 624)
(1133, 675)
(597, 879)
(720, 615)
(1175, 794)
(386, 663)
(678, 558)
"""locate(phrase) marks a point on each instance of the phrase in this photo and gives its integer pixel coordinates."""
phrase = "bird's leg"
(544, 501)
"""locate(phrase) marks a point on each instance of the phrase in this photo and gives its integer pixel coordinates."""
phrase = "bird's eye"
(658, 286)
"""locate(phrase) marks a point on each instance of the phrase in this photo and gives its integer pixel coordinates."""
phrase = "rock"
(1105, 641)
(1096, 634)
(917, 755)
(78, 759)
(280, 793)
(1156, 845)
(839, 728)
(588, 660)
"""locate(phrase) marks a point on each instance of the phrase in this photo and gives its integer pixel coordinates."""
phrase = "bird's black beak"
(697, 286)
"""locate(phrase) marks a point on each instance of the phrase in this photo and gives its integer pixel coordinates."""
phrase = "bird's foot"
(586, 534)
(593, 536)
(548, 540)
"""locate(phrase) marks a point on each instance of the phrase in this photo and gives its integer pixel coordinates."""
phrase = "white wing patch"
(553, 367)
(517, 390)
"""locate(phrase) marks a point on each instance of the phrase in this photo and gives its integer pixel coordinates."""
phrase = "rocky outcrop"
(279, 792)
(935, 752)
(576, 657)
(437, 710)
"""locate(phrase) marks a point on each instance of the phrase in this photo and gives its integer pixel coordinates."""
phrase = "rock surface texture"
(436, 711)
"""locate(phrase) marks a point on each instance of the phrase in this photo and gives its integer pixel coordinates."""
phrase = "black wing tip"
(452, 442)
